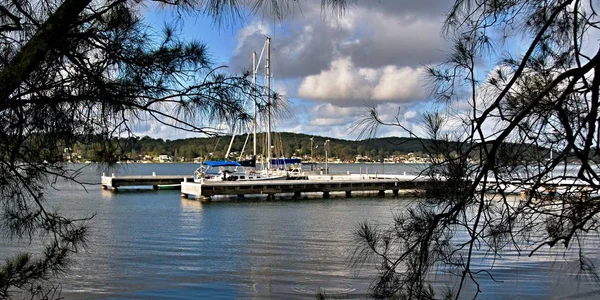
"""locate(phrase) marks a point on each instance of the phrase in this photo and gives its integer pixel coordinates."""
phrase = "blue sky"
(330, 67)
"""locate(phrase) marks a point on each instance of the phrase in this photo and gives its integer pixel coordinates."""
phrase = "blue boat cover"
(220, 163)
(285, 161)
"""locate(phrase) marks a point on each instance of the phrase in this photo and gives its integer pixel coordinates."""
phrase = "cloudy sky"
(331, 68)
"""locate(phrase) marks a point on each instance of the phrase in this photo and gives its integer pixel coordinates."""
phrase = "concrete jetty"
(324, 184)
(114, 182)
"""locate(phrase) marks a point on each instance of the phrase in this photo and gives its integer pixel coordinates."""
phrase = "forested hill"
(285, 143)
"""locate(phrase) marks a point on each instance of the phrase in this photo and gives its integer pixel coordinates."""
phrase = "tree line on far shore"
(284, 144)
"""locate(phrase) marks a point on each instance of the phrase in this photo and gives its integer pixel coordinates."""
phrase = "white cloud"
(341, 81)
(411, 114)
(164, 132)
(348, 86)
(399, 83)
(340, 122)
(330, 109)
(324, 120)
(374, 35)
(247, 32)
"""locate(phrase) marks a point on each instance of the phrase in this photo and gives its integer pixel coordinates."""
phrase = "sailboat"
(274, 166)
(244, 170)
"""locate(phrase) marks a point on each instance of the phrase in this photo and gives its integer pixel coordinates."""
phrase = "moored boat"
(231, 171)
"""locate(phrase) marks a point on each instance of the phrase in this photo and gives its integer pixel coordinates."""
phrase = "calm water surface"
(153, 244)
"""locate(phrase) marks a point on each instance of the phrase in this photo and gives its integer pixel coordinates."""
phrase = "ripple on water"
(312, 287)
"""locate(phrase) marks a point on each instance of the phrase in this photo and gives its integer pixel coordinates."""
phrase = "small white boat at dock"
(231, 171)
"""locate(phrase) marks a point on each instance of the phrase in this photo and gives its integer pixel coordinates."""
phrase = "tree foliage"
(83, 72)
(543, 97)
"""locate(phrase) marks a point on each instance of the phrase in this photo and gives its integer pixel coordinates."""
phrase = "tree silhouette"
(81, 72)
(521, 127)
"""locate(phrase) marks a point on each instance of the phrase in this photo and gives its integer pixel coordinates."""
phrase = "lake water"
(153, 244)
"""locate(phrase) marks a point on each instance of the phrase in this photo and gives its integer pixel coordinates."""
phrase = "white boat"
(231, 171)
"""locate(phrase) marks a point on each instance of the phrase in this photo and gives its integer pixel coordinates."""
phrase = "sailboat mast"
(254, 96)
(231, 142)
(268, 75)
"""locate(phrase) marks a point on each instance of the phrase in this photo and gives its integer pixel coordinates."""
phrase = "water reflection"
(191, 205)
(154, 244)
